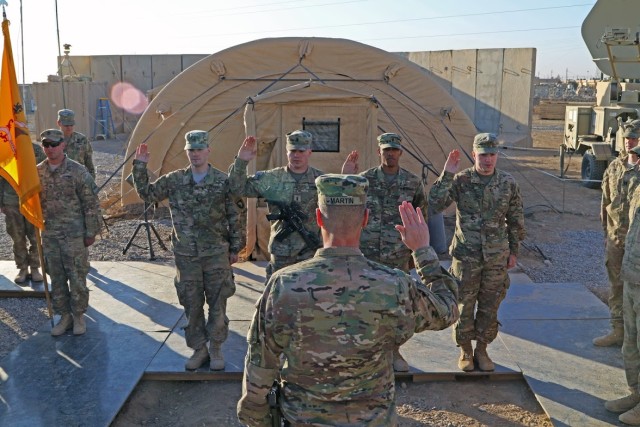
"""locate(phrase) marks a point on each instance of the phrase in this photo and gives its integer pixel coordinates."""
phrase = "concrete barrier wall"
(493, 86)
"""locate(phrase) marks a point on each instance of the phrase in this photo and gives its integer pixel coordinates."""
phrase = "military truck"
(611, 32)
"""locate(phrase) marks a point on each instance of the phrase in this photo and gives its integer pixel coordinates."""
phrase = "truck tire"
(592, 170)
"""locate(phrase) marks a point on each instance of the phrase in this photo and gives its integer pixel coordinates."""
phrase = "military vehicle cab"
(612, 34)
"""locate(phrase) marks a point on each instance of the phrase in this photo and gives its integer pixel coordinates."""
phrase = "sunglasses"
(50, 144)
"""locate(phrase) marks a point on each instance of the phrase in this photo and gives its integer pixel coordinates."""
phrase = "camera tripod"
(149, 226)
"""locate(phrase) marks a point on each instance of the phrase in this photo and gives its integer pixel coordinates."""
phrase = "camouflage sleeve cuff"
(239, 163)
(426, 259)
(137, 162)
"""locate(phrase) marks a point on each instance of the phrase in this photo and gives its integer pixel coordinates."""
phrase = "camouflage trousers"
(23, 235)
(483, 286)
(200, 279)
(631, 343)
(277, 262)
(613, 263)
(67, 262)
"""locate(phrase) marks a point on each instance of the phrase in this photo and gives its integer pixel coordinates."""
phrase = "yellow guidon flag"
(17, 159)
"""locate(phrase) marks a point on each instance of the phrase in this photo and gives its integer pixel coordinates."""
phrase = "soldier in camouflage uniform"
(22, 232)
(489, 228)
(629, 406)
(71, 212)
(336, 318)
(205, 241)
(614, 215)
(389, 186)
(78, 146)
(291, 184)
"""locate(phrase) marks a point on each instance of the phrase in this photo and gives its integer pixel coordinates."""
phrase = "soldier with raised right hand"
(292, 185)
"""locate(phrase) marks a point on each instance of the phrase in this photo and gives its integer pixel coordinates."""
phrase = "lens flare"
(129, 98)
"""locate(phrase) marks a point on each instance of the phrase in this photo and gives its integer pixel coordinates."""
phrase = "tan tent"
(345, 93)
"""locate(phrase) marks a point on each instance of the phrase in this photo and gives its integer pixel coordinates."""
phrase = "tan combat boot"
(623, 404)
(35, 275)
(21, 277)
(482, 357)
(632, 416)
(216, 359)
(79, 325)
(399, 364)
(615, 337)
(465, 362)
(65, 323)
(199, 357)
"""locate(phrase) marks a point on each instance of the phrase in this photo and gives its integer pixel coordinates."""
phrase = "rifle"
(292, 220)
(273, 398)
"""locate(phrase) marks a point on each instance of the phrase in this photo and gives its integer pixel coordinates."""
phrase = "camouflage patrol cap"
(196, 140)
(389, 140)
(485, 143)
(299, 140)
(67, 117)
(342, 190)
(52, 135)
(631, 131)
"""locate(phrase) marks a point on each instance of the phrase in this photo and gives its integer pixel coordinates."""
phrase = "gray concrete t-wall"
(493, 86)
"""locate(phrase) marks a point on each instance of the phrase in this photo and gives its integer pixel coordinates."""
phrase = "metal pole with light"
(64, 98)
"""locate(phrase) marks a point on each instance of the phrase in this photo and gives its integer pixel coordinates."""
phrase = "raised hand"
(453, 162)
(142, 153)
(248, 149)
(414, 230)
(350, 165)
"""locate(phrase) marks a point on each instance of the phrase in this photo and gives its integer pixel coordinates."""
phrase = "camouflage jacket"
(204, 215)
(617, 183)
(70, 205)
(8, 196)
(280, 186)
(489, 218)
(336, 318)
(380, 241)
(630, 270)
(79, 149)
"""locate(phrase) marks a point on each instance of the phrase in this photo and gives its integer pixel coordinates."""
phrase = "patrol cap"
(389, 140)
(635, 150)
(630, 132)
(485, 143)
(67, 117)
(299, 140)
(196, 140)
(342, 190)
(52, 135)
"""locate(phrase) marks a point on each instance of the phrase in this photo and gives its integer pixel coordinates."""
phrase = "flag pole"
(44, 275)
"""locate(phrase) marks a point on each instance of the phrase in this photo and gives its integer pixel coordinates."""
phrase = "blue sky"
(131, 27)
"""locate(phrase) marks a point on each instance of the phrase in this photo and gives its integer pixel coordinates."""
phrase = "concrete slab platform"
(134, 326)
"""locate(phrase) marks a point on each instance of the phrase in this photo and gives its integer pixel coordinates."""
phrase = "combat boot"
(465, 362)
(615, 337)
(623, 404)
(399, 364)
(482, 357)
(35, 275)
(632, 416)
(79, 325)
(216, 359)
(21, 277)
(65, 323)
(199, 357)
